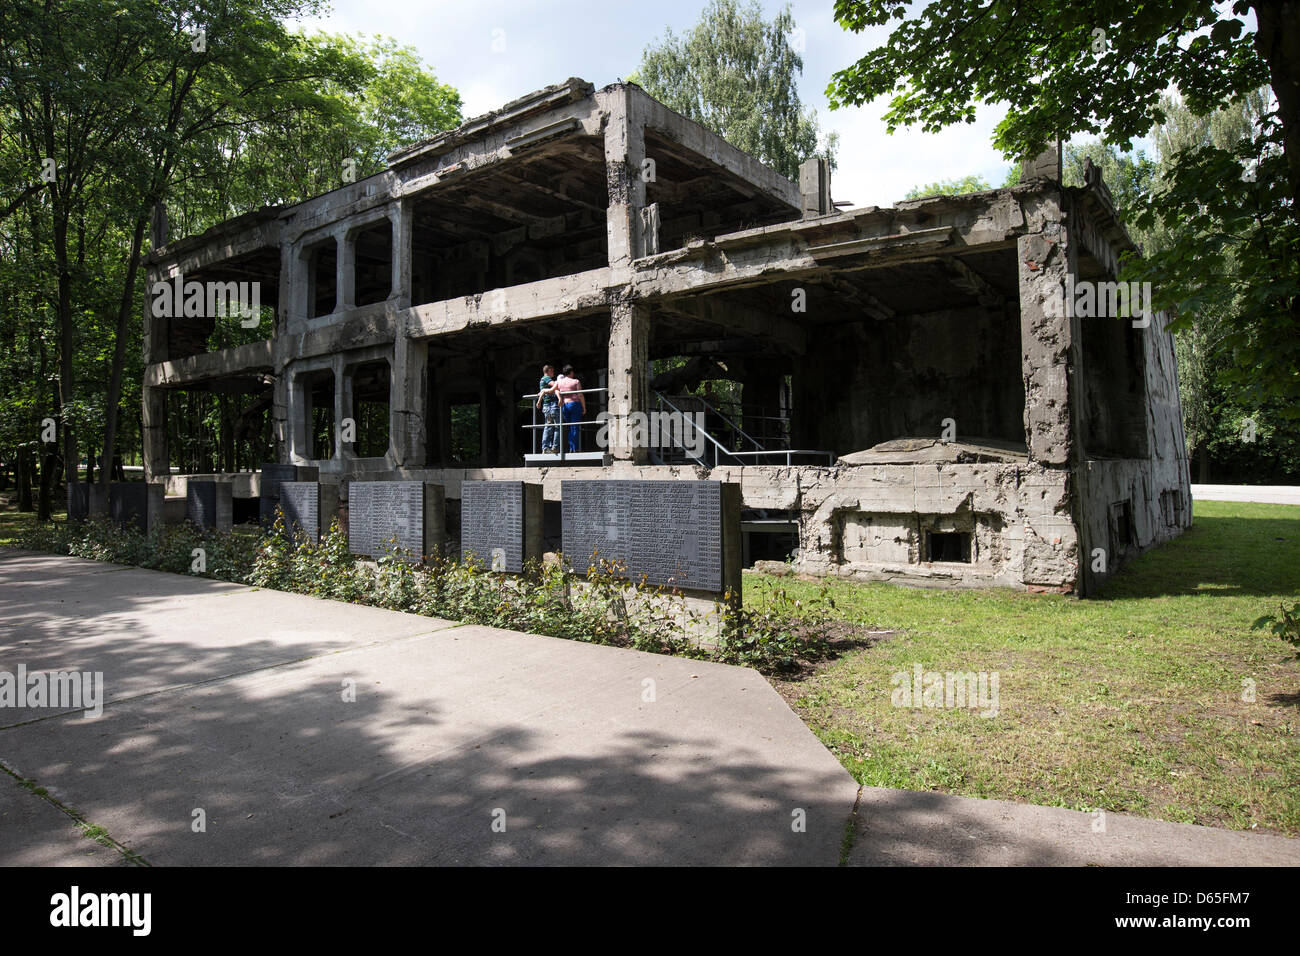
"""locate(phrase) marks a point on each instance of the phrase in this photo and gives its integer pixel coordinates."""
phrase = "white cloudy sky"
(547, 41)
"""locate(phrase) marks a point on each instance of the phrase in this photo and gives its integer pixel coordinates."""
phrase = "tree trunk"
(1277, 40)
(45, 502)
(25, 480)
(119, 352)
(67, 349)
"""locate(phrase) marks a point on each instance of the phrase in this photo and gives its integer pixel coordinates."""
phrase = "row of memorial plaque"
(681, 534)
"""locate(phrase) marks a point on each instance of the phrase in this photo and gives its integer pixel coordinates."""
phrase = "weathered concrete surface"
(903, 828)
(35, 832)
(230, 700)
(147, 631)
(1268, 494)
(449, 725)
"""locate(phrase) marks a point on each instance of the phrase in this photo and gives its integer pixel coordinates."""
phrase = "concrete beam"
(207, 366)
(785, 333)
(583, 292)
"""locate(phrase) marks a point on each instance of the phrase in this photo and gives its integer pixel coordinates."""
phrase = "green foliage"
(135, 109)
(1226, 212)
(1285, 624)
(782, 635)
(735, 73)
(601, 606)
(1045, 59)
(949, 187)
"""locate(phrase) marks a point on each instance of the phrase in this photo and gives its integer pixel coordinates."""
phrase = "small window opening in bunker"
(370, 390)
(1121, 526)
(320, 388)
(947, 546)
(374, 263)
(322, 267)
(466, 432)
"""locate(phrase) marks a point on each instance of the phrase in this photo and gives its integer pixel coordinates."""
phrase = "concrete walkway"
(1268, 494)
(460, 745)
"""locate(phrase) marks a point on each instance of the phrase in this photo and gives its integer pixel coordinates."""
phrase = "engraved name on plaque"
(406, 516)
(673, 533)
(500, 524)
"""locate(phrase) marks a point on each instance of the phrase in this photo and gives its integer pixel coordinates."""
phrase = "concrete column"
(629, 381)
(281, 431)
(401, 215)
(157, 465)
(815, 187)
(345, 283)
(408, 399)
(624, 154)
(298, 420)
(1047, 338)
(342, 409)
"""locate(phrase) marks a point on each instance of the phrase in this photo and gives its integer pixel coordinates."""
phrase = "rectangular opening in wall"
(371, 383)
(1121, 527)
(1114, 388)
(466, 432)
(1171, 507)
(319, 389)
(373, 255)
(322, 274)
(947, 546)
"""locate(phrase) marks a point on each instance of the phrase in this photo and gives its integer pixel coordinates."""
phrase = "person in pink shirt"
(573, 403)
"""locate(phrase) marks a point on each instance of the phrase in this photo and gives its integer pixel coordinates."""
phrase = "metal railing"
(561, 429)
(721, 454)
(711, 454)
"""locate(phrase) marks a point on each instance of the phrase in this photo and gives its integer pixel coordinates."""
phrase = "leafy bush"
(1285, 624)
(600, 607)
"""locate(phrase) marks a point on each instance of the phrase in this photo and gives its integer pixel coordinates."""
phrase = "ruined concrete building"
(902, 388)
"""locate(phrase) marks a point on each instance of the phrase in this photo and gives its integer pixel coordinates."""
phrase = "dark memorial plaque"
(135, 503)
(78, 501)
(308, 506)
(272, 476)
(201, 503)
(209, 504)
(500, 523)
(406, 515)
(674, 533)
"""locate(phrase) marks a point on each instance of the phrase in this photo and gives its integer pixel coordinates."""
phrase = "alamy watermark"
(1117, 300)
(657, 429)
(193, 299)
(950, 689)
(57, 690)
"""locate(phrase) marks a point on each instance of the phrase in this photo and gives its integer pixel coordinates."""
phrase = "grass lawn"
(1131, 702)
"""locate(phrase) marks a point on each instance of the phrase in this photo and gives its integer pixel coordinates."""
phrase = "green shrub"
(600, 607)
(1284, 624)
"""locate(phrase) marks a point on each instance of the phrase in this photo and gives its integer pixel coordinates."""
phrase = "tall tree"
(106, 110)
(736, 73)
(1102, 68)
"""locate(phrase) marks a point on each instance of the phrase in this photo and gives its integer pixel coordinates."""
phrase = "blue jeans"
(551, 433)
(572, 413)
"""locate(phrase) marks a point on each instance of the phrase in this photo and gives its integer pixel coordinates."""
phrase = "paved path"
(230, 701)
(1271, 494)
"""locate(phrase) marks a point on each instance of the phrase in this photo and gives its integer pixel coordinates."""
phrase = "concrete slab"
(905, 828)
(586, 754)
(1270, 494)
(37, 833)
(146, 631)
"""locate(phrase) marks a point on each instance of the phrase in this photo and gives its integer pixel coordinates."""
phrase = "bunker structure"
(916, 400)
